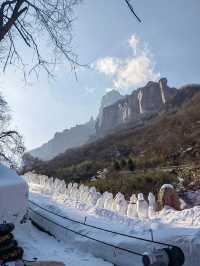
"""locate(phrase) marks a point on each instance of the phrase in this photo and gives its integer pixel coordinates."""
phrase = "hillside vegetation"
(172, 138)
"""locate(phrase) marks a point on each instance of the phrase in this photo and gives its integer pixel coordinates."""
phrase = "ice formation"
(166, 186)
(108, 201)
(83, 197)
(142, 206)
(152, 205)
(132, 207)
(119, 204)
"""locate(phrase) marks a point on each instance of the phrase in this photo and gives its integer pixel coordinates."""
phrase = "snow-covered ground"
(178, 228)
(41, 246)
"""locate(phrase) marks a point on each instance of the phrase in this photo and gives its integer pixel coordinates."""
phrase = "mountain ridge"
(167, 138)
(68, 138)
(140, 108)
(75, 136)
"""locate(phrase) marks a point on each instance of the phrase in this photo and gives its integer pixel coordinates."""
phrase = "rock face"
(108, 99)
(141, 103)
(168, 197)
(69, 138)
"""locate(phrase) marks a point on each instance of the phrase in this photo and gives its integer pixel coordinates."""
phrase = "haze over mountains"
(118, 113)
(69, 138)
(75, 136)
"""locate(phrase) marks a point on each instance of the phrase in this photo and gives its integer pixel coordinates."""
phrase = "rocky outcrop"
(141, 103)
(69, 138)
(108, 99)
(168, 197)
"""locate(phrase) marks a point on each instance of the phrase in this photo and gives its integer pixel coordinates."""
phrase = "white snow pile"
(13, 195)
(89, 200)
(136, 218)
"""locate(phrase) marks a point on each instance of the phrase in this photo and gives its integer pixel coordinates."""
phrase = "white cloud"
(90, 90)
(131, 72)
(107, 65)
(135, 72)
(134, 42)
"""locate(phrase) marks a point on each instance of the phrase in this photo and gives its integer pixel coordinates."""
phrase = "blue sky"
(123, 54)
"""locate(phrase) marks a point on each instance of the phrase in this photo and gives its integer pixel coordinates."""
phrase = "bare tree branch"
(27, 19)
(52, 20)
(132, 10)
(11, 142)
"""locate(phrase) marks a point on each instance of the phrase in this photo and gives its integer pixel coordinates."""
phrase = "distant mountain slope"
(69, 138)
(75, 136)
(173, 137)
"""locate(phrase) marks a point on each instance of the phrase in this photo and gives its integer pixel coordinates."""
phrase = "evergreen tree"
(131, 165)
(116, 165)
(123, 163)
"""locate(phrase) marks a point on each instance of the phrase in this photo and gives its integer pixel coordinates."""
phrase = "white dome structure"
(13, 196)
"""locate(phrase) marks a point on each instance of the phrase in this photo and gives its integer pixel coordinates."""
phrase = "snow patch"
(140, 96)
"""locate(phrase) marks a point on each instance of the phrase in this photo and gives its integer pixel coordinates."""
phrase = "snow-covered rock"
(13, 196)
(166, 186)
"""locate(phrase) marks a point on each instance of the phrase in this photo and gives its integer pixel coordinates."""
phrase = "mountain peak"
(108, 99)
(143, 102)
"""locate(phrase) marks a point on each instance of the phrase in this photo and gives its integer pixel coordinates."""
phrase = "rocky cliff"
(108, 99)
(141, 103)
